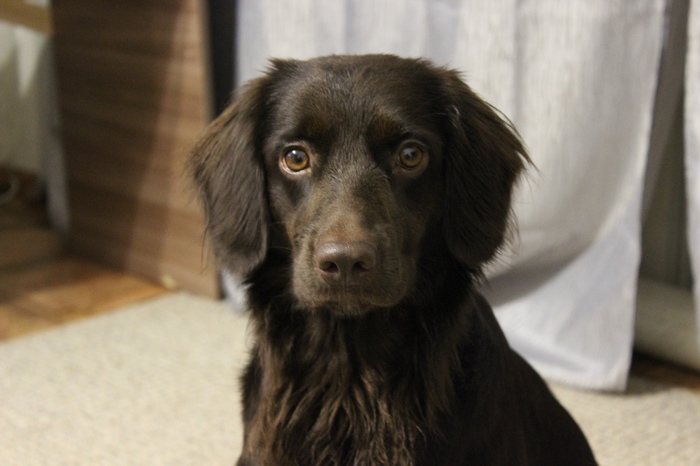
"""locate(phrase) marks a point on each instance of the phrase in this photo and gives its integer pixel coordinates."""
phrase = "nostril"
(330, 267)
(361, 267)
(345, 261)
(366, 262)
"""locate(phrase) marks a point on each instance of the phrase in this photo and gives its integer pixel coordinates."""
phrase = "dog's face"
(360, 168)
(354, 171)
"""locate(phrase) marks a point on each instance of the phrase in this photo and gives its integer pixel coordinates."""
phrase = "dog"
(360, 197)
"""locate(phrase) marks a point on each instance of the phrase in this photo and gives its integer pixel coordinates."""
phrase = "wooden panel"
(143, 234)
(32, 16)
(134, 96)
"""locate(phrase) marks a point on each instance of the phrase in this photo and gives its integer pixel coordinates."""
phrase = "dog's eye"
(411, 156)
(296, 160)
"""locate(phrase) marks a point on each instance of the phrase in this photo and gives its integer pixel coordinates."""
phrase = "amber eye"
(295, 160)
(411, 156)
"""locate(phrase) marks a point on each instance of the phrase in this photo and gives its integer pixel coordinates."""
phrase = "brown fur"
(373, 346)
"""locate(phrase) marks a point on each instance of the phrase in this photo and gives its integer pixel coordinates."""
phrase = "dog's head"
(360, 168)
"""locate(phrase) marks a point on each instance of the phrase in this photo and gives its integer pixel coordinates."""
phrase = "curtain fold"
(692, 149)
(578, 80)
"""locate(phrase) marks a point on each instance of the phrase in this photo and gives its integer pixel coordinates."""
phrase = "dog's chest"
(336, 416)
(331, 392)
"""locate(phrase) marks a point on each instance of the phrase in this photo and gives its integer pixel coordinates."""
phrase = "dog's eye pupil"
(296, 160)
(411, 156)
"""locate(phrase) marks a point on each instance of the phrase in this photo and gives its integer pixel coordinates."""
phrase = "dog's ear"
(228, 170)
(484, 157)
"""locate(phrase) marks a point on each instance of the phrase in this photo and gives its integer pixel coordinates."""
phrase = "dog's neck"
(356, 390)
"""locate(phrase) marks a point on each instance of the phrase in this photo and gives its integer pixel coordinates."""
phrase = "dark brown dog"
(360, 196)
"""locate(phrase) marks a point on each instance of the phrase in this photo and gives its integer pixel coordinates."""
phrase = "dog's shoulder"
(516, 411)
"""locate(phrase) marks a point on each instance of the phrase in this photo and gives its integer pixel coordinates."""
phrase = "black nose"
(345, 262)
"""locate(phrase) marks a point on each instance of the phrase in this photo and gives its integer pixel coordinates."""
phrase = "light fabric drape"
(692, 148)
(29, 139)
(578, 79)
(25, 103)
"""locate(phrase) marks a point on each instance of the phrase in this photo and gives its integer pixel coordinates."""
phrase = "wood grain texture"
(652, 368)
(134, 95)
(29, 15)
(45, 295)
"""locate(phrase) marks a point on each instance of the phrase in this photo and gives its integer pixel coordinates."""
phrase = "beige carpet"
(156, 384)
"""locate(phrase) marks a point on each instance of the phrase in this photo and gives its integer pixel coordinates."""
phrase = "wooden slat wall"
(134, 96)
(37, 17)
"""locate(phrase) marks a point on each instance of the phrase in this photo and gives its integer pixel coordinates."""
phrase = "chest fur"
(348, 393)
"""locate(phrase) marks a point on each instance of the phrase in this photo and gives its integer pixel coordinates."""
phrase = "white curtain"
(578, 79)
(692, 148)
(29, 136)
(24, 97)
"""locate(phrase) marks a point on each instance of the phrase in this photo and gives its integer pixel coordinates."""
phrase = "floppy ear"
(228, 171)
(484, 156)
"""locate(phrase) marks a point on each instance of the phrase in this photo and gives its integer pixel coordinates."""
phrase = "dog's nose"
(345, 262)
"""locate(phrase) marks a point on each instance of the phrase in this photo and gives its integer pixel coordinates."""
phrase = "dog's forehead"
(356, 92)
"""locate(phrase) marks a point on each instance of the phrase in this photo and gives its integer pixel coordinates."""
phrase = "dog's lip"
(347, 308)
(351, 298)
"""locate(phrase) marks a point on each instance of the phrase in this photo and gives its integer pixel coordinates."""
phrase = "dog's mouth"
(381, 289)
(349, 303)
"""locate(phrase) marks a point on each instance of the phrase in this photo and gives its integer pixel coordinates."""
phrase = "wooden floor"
(62, 290)
(654, 369)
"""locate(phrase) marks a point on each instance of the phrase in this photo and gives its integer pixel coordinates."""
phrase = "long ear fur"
(484, 157)
(228, 171)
